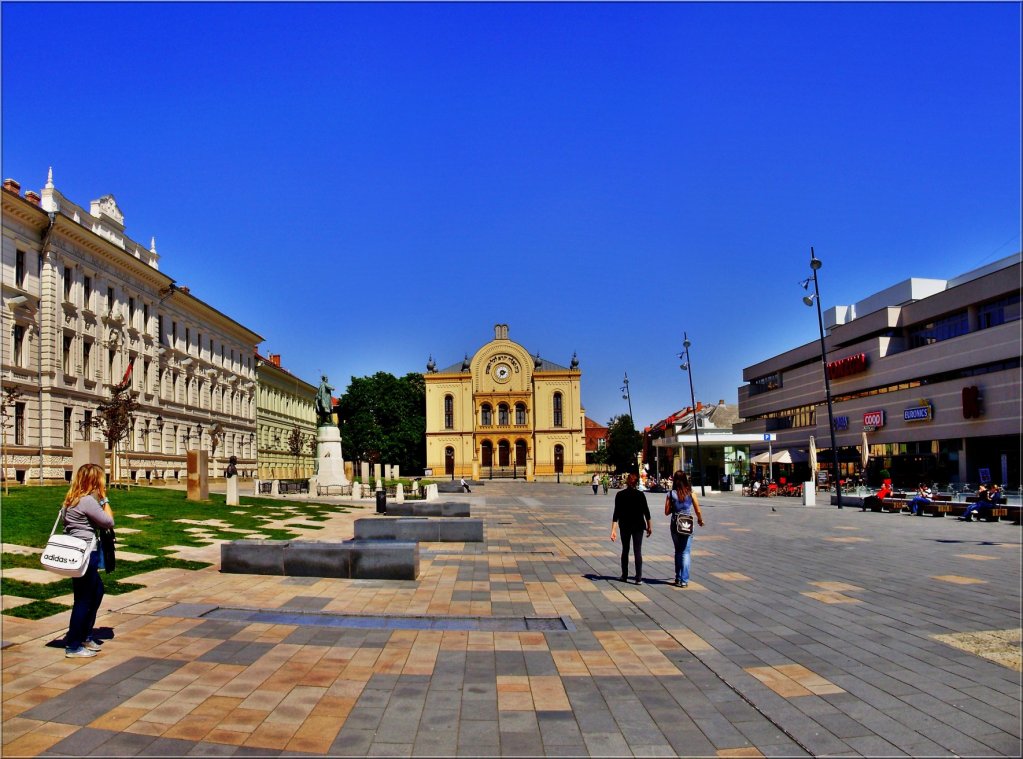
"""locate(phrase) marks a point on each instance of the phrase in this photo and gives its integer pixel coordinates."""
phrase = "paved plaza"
(803, 631)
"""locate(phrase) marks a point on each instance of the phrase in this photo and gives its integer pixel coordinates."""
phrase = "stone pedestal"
(330, 464)
(378, 471)
(232, 491)
(357, 491)
(86, 452)
(364, 473)
(399, 495)
(198, 476)
(350, 470)
(809, 494)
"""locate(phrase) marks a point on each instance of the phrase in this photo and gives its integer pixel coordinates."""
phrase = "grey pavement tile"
(236, 652)
(389, 749)
(843, 726)
(656, 749)
(363, 718)
(606, 744)
(170, 747)
(760, 731)
(574, 749)
(82, 742)
(478, 732)
(373, 698)
(124, 744)
(352, 742)
(871, 745)
(204, 748)
(1007, 745)
(521, 744)
(781, 750)
(518, 722)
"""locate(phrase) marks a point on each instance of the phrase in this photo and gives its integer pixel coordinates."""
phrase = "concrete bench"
(428, 509)
(420, 529)
(355, 559)
(893, 505)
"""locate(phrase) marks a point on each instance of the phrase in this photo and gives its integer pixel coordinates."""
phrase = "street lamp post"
(815, 264)
(686, 366)
(627, 396)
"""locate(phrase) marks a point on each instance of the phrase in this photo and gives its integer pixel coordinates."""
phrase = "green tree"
(623, 443)
(383, 420)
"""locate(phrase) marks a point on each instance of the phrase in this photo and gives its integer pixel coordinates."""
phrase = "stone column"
(232, 491)
(364, 473)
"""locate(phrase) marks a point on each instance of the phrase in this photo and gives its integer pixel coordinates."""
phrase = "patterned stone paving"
(789, 641)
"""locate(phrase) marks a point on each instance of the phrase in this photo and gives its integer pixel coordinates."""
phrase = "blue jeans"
(88, 596)
(917, 502)
(683, 545)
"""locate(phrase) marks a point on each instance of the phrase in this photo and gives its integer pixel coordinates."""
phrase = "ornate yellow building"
(505, 413)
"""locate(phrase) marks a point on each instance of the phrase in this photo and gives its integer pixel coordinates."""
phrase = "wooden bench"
(892, 505)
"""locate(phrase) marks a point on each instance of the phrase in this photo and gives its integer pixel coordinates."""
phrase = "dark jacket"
(631, 511)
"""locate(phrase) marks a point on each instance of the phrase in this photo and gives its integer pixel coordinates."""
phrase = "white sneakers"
(79, 653)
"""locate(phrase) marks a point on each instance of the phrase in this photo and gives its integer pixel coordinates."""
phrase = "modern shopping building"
(285, 422)
(86, 308)
(926, 371)
(505, 413)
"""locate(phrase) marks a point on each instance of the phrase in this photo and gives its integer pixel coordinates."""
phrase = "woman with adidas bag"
(680, 505)
(86, 509)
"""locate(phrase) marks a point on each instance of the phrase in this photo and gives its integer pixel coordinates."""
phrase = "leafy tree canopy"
(383, 420)
(623, 443)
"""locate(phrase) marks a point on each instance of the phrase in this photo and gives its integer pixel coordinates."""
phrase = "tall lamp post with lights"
(809, 300)
(627, 396)
(687, 366)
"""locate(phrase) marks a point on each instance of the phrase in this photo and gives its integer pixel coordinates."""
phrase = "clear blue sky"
(369, 184)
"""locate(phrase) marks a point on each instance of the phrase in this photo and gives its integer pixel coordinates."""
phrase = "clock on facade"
(502, 372)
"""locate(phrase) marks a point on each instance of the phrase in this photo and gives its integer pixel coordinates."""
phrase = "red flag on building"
(126, 380)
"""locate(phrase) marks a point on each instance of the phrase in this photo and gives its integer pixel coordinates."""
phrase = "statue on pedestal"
(324, 407)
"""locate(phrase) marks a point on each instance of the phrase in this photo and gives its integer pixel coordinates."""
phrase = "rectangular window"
(174, 335)
(159, 330)
(87, 426)
(449, 412)
(111, 357)
(945, 328)
(198, 344)
(558, 419)
(211, 349)
(17, 343)
(145, 317)
(145, 376)
(999, 312)
(87, 359)
(131, 311)
(520, 414)
(188, 339)
(110, 300)
(67, 426)
(86, 292)
(68, 342)
(19, 423)
(19, 269)
(67, 284)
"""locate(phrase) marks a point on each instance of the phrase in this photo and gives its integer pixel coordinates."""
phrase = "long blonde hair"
(87, 479)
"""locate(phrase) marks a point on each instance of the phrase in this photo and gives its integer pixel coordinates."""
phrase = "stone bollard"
(274, 489)
(432, 493)
(399, 493)
(356, 490)
(232, 491)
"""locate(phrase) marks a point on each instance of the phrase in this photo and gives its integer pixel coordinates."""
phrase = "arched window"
(520, 413)
(486, 415)
(449, 461)
(503, 458)
(486, 453)
(558, 419)
(559, 459)
(449, 416)
(502, 414)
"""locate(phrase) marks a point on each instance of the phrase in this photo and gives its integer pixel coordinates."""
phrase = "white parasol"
(865, 453)
(813, 457)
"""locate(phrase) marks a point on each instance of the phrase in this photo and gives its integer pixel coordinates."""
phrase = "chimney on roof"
(32, 196)
(275, 359)
(185, 289)
(721, 402)
(12, 185)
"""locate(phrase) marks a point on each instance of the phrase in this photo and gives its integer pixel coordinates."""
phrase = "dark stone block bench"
(355, 559)
(428, 509)
(420, 529)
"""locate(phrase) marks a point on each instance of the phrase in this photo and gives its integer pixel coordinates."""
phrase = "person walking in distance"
(682, 502)
(632, 516)
(594, 483)
(86, 509)
(604, 482)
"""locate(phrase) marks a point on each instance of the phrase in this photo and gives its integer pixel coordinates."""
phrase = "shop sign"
(841, 422)
(844, 367)
(924, 412)
(873, 420)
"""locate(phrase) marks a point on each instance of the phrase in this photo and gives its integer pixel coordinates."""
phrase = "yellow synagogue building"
(505, 413)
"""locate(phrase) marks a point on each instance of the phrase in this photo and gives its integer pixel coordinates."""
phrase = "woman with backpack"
(86, 509)
(681, 505)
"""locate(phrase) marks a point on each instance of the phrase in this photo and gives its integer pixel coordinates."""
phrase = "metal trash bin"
(381, 502)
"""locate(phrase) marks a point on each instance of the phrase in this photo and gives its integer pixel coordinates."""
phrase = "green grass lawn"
(28, 514)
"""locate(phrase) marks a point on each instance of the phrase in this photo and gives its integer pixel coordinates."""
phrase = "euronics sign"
(924, 412)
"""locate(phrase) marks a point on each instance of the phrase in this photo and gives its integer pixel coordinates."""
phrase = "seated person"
(980, 506)
(997, 497)
(872, 501)
(923, 497)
